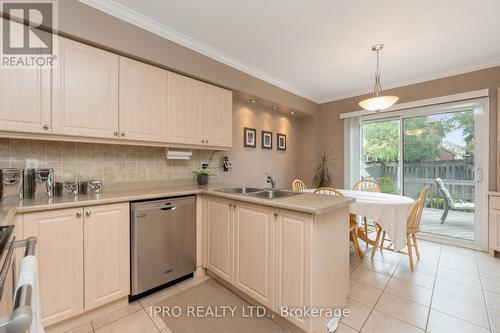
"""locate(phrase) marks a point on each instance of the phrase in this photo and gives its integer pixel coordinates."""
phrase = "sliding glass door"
(438, 153)
(442, 148)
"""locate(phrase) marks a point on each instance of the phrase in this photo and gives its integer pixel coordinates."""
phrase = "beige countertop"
(494, 193)
(305, 202)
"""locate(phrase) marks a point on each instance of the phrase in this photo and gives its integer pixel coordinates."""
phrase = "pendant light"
(378, 103)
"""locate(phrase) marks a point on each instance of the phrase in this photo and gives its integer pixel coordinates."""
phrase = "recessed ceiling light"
(275, 107)
(292, 112)
(253, 100)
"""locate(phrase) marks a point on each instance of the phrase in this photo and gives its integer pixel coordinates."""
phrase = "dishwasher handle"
(168, 208)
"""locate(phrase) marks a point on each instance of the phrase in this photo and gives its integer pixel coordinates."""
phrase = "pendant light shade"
(378, 103)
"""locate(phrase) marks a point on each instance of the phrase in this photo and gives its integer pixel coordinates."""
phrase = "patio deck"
(458, 224)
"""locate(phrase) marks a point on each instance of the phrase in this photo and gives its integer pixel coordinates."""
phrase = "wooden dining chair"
(298, 185)
(366, 185)
(353, 224)
(412, 228)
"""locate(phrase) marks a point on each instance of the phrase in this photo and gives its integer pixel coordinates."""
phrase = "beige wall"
(87, 24)
(331, 127)
(251, 164)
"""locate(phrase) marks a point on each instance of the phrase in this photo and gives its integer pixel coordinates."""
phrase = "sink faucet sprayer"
(272, 180)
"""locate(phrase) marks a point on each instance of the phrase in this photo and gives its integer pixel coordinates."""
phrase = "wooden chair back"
(413, 221)
(298, 185)
(367, 185)
(328, 190)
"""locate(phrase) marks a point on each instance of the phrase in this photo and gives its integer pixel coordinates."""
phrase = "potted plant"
(321, 175)
(202, 176)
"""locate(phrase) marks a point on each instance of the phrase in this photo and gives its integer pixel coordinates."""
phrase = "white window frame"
(481, 117)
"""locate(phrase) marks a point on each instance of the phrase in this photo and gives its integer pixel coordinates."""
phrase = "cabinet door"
(85, 91)
(495, 229)
(293, 265)
(220, 238)
(106, 254)
(24, 97)
(143, 101)
(60, 255)
(218, 116)
(185, 114)
(253, 252)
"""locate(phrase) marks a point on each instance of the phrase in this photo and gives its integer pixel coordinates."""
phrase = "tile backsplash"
(111, 163)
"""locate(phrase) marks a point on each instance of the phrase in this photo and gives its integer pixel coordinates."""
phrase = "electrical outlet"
(204, 165)
(31, 163)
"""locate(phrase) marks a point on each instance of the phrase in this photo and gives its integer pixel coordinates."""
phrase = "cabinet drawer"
(494, 202)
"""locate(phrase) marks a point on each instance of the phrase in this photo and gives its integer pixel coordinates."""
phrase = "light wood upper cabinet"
(24, 96)
(143, 101)
(106, 254)
(198, 113)
(25, 100)
(85, 91)
(220, 238)
(185, 113)
(218, 116)
(60, 255)
(253, 251)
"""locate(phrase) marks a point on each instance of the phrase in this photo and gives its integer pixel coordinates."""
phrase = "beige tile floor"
(451, 290)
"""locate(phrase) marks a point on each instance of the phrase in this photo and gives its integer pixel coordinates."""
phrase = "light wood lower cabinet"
(83, 258)
(106, 254)
(254, 252)
(60, 253)
(494, 225)
(280, 258)
(293, 263)
(220, 224)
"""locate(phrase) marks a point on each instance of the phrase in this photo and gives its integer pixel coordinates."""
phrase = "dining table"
(389, 211)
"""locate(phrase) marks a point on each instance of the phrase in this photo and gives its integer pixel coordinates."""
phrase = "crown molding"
(442, 75)
(123, 13)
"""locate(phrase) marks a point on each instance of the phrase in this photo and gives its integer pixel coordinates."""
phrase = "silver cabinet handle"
(122, 134)
(115, 133)
(88, 213)
(202, 141)
(206, 141)
(78, 214)
(230, 205)
(276, 215)
(46, 127)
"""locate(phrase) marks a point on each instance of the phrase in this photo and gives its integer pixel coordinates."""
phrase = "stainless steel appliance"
(91, 187)
(68, 188)
(163, 242)
(12, 182)
(40, 183)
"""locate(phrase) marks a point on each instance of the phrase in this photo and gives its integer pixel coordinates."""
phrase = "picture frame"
(281, 141)
(249, 137)
(267, 140)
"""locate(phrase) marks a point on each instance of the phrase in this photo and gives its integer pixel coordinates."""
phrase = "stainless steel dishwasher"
(163, 242)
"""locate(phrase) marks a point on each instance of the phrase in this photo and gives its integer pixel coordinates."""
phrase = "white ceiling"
(320, 49)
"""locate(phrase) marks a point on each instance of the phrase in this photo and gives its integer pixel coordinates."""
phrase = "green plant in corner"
(322, 175)
(202, 176)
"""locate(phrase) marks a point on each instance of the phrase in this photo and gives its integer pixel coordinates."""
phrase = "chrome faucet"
(271, 180)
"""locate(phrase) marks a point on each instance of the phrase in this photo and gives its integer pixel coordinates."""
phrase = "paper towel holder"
(19, 320)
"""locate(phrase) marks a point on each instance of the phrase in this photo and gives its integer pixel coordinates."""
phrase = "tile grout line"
(483, 292)
(378, 299)
(433, 289)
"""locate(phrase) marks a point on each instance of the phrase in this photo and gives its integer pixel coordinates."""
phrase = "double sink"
(259, 192)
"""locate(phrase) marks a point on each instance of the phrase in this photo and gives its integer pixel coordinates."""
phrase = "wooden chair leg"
(357, 248)
(379, 231)
(408, 245)
(417, 252)
(366, 229)
(383, 240)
